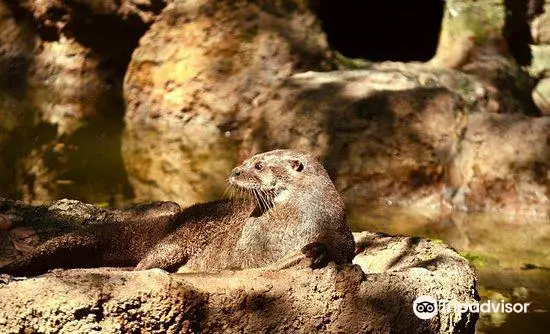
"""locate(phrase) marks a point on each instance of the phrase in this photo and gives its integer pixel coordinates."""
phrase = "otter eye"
(259, 166)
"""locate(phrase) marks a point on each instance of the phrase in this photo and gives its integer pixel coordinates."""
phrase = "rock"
(397, 134)
(540, 51)
(413, 136)
(541, 96)
(58, 15)
(506, 82)
(193, 85)
(540, 66)
(504, 163)
(470, 28)
(333, 299)
(540, 26)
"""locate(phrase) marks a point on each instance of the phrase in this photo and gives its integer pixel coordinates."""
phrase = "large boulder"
(194, 83)
(413, 136)
(405, 134)
(391, 133)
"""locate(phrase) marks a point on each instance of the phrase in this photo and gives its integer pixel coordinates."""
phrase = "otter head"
(275, 176)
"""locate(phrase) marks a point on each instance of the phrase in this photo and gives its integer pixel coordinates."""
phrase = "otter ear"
(297, 165)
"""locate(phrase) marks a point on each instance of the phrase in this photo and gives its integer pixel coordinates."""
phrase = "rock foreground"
(375, 295)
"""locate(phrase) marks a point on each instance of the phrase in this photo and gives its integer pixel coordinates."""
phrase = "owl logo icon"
(425, 307)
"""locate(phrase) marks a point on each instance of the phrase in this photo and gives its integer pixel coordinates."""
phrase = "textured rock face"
(17, 42)
(194, 82)
(394, 133)
(413, 136)
(470, 28)
(331, 300)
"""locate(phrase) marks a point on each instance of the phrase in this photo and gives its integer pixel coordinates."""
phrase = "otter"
(292, 210)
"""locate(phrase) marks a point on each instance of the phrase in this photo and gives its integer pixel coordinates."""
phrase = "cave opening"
(397, 30)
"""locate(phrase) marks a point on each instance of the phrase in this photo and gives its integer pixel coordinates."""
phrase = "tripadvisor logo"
(426, 307)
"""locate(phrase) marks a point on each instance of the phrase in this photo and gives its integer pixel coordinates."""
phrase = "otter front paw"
(318, 253)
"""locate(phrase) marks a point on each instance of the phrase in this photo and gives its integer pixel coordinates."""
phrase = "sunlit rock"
(193, 86)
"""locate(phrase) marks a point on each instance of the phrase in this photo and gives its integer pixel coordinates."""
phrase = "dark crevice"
(19, 13)
(382, 30)
(517, 32)
(14, 76)
(111, 37)
(154, 6)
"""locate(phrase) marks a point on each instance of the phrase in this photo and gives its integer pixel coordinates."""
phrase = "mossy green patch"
(476, 259)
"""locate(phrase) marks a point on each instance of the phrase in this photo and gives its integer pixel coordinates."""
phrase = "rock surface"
(333, 299)
(413, 136)
(193, 85)
(470, 28)
(405, 134)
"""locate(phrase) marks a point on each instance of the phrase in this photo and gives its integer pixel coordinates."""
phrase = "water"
(511, 256)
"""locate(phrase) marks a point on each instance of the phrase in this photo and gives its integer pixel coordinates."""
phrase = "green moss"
(438, 241)
(480, 19)
(345, 63)
(476, 259)
(103, 205)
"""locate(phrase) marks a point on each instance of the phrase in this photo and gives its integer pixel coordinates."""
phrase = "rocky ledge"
(375, 295)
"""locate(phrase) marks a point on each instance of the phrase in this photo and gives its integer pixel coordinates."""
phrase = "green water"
(511, 256)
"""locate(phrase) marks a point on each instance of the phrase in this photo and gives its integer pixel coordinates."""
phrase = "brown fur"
(295, 207)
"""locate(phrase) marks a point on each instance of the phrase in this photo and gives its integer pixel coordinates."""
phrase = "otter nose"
(235, 172)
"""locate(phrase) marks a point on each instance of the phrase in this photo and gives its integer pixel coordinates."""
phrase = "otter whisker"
(243, 193)
(255, 195)
(267, 198)
(262, 198)
(227, 191)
